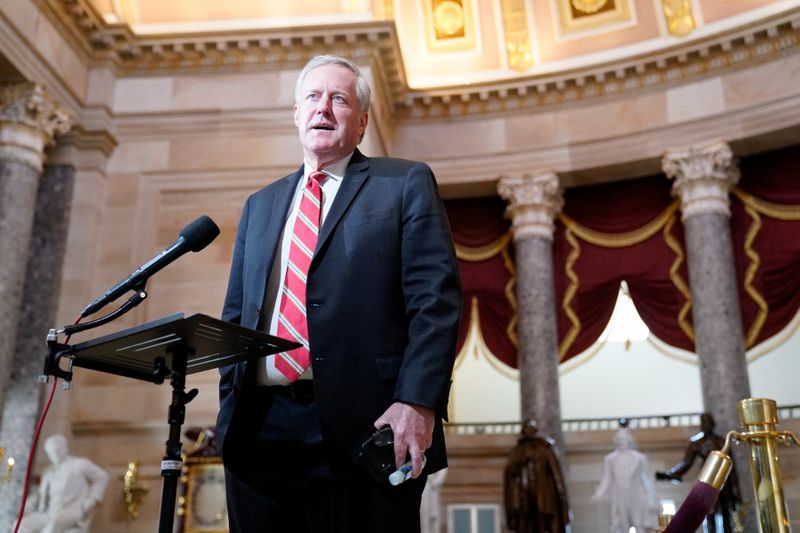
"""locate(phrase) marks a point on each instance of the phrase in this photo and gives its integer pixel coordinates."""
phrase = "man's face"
(328, 117)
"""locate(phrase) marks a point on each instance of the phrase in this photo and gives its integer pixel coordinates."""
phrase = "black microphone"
(194, 237)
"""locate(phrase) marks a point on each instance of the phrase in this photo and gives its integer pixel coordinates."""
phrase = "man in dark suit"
(372, 293)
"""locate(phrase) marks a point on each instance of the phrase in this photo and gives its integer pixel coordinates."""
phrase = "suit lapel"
(273, 222)
(282, 200)
(354, 179)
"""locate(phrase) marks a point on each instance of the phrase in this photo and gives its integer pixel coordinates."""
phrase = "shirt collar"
(335, 170)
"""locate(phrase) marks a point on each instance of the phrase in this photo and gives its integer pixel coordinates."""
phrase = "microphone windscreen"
(698, 503)
(200, 233)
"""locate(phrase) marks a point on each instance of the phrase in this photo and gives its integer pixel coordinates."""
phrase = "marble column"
(29, 118)
(704, 176)
(534, 202)
(37, 315)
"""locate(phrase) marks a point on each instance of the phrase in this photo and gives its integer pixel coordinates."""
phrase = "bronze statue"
(535, 492)
(700, 445)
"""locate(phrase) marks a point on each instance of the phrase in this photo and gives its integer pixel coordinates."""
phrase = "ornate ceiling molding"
(376, 44)
(134, 55)
(737, 49)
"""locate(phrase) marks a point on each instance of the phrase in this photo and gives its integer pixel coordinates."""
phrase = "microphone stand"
(56, 350)
(173, 347)
(172, 463)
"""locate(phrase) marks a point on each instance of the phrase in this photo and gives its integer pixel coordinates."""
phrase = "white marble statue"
(628, 482)
(430, 509)
(70, 489)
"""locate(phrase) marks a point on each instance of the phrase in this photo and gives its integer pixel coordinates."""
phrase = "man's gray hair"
(362, 86)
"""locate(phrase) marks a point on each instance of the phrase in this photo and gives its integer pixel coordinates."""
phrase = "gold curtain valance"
(620, 240)
(776, 211)
(483, 253)
(664, 223)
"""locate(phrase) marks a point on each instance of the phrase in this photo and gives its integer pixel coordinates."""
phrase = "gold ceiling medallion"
(449, 25)
(680, 19)
(448, 20)
(517, 35)
(578, 16)
(589, 6)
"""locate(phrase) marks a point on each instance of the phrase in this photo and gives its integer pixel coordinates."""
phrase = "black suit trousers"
(279, 478)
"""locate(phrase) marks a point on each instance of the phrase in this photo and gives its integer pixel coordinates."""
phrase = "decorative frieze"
(376, 43)
(704, 176)
(141, 54)
(743, 49)
(533, 203)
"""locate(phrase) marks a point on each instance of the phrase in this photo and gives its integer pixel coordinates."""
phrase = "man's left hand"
(412, 426)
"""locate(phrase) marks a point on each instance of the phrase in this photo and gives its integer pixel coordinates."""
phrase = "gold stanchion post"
(759, 417)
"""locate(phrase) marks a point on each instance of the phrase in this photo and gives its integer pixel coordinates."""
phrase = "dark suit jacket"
(383, 299)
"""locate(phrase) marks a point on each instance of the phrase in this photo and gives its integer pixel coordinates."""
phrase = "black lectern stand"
(171, 346)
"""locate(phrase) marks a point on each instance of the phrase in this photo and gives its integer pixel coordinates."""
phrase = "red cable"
(35, 441)
(32, 453)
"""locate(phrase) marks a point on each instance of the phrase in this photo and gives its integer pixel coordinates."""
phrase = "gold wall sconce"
(9, 466)
(132, 491)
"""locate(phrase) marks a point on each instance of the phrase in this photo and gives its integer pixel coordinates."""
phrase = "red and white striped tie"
(292, 323)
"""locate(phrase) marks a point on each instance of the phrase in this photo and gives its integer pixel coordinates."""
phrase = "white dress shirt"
(335, 172)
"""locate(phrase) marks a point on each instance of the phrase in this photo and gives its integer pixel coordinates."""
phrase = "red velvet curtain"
(772, 299)
(631, 231)
(619, 215)
(486, 261)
